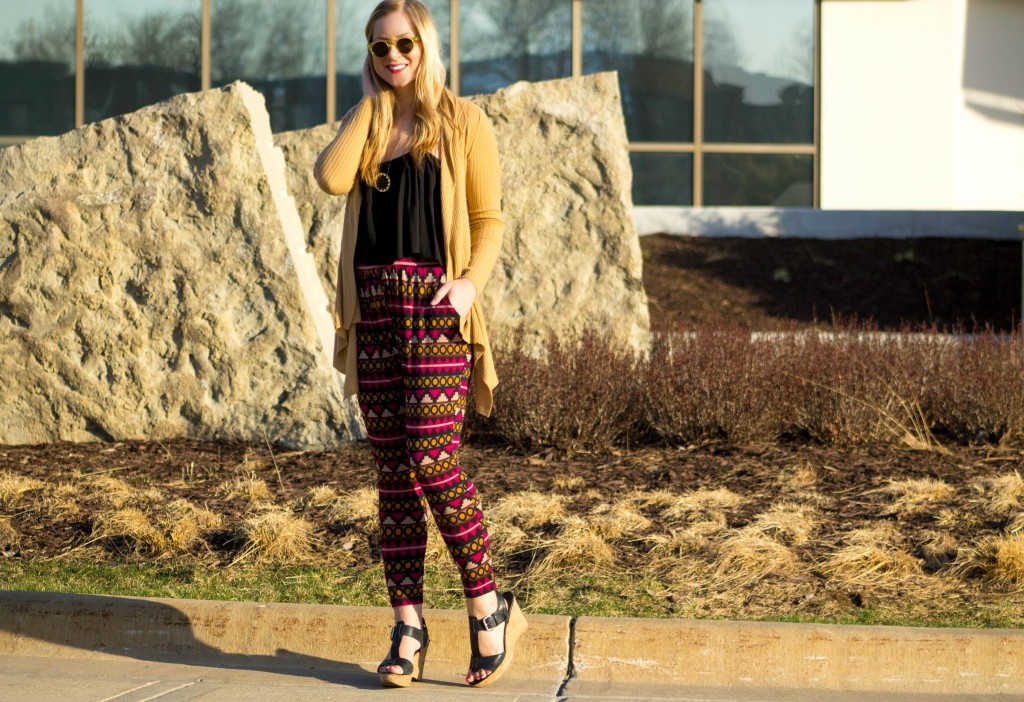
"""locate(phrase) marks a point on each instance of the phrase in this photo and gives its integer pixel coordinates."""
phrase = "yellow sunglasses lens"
(382, 47)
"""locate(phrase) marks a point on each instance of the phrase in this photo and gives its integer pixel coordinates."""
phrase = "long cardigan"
(470, 213)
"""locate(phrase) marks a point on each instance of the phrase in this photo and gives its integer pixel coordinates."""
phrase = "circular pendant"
(383, 182)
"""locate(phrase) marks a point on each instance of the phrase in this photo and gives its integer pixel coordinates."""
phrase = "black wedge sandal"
(511, 615)
(411, 670)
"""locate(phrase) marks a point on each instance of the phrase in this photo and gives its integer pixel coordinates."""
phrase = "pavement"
(90, 648)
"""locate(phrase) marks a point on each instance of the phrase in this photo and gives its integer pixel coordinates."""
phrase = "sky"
(763, 27)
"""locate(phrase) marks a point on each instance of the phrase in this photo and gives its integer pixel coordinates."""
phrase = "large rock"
(322, 215)
(154, 284)
(571, 257)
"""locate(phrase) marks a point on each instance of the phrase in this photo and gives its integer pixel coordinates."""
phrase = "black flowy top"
(405, 219)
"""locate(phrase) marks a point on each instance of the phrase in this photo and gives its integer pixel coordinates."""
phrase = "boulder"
(154, 284)
(571, 255)
(322, 215)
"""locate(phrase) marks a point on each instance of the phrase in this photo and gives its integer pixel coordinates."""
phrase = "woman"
(422, 231)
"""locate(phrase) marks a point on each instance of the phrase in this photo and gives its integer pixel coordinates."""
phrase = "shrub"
(850, 386)
(580, 394)
(978, 393)
(858, 386)
(715, 385)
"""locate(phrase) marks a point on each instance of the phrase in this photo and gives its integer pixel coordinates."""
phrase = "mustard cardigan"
(470, 213)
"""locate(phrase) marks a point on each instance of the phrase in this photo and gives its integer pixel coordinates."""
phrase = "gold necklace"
(383, 180)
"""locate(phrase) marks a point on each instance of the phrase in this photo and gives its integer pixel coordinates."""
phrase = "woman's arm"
(337, 166)
(483, 195)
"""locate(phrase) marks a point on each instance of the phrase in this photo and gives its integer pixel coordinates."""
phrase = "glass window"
(650, 44)
(350, 45)
(759, 71)
(662, 179)
(139, 53)
(504, 41)
(37, 62)
(756, 180)
(280, 48)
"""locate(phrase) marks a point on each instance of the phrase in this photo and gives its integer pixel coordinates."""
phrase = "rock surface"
(148, 288)
(571, 255)
(322, 215)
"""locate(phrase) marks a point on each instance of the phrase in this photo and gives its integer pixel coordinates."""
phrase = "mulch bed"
(193, 469)
(778, 284)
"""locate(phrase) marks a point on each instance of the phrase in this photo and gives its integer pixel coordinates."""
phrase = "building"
(831, 104)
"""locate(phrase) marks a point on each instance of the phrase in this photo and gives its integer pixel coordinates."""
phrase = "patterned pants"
(414, 370)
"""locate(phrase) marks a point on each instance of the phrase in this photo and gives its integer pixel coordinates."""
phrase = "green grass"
(996, 616)
(587, 595)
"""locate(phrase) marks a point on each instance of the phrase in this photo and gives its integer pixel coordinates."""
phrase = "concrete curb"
(607, 654)
(253, 635)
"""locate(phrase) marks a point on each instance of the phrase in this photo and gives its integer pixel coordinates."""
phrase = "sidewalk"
(82, 648)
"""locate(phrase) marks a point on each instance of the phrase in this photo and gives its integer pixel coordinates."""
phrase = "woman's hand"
(461, 292)
(369, 87)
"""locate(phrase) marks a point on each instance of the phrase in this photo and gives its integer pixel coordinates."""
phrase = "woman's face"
(397, 69)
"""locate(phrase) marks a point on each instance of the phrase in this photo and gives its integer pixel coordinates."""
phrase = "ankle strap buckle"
(491, 621)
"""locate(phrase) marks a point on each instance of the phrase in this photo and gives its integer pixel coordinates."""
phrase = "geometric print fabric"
(413, 371)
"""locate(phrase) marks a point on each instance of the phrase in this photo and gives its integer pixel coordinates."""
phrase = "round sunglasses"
(382, 47)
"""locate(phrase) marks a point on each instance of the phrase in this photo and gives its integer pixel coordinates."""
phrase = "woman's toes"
(477, 675)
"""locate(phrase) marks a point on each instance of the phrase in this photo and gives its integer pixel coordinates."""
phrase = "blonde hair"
(429, 87)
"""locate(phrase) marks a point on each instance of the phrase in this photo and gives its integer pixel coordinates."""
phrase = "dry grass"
(695, 520)
(938, 551)
(108, 490)
(579, 547)
(186, 523)
(692, 540)
(658, 499)
(151, 495)
(60, 501)
(131, 527)
(360, 505)
(748, 556)
(527, 510)
(998, 560)
(700, 504)
(798, 479)
(569, 483)
(1003, 494)
(437, 549)
(1016, 524)
(509, 541)
(250, 487)
(914, 495)
(790, 524)
(872, 557)
(14, 486)
(613, 521)
(951, 518)
(10, 539)
(322, 495)
(276, 536)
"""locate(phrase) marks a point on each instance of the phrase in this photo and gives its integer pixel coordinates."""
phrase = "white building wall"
(900, 122)
(988, 158)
